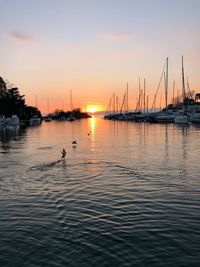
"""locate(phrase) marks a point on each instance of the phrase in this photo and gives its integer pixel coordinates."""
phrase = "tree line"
(13, 103)
(75, 113)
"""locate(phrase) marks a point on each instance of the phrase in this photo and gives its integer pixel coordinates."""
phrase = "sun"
(91, 110)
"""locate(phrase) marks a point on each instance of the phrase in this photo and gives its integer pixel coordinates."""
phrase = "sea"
(127, 194)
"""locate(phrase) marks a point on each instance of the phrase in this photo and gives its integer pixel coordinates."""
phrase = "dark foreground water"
(127, 195)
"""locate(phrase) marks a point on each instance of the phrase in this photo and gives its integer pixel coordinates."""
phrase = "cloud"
(20, 37)
(117, 36)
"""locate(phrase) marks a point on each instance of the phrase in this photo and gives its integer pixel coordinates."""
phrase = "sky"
(94, 48)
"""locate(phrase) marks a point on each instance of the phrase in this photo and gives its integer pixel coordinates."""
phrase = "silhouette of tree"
(11, 102)
(3, 88)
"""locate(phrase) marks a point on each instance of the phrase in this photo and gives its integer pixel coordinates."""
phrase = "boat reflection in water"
(10, 136)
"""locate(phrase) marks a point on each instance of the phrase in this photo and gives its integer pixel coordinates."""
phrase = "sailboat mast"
(183, 81)
(117, 104)
(108, 108)
(147, 105)
(36, 101)
(127, 107)
(144, 95)
(71, 103)
(114, 103)
(188, 88)
(173, 92)
(48, 106)
(121, 110)
(166, 86)
(139, 98)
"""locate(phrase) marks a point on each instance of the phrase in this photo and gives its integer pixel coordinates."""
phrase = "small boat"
(35, 120)
(48, 118)
(195, 117)
(10, 121)
(71, 118)
(165, 118)
(62, 118)
(181, 119)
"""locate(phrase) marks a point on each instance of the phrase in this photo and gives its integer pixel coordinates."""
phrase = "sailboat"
(35, 120)
(48, 118)
(182, 117)
(166, 117)
(71, 117)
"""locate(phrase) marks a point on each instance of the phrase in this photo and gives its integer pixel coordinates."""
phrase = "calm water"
(127, 195)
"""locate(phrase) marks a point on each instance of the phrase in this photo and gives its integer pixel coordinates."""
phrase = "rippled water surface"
(127, 195)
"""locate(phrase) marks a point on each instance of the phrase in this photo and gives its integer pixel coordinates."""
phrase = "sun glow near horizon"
(93, 108)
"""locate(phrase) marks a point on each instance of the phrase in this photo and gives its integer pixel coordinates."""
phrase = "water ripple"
(133, 202)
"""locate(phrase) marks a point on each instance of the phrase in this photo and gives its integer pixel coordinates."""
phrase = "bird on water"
(64, 153)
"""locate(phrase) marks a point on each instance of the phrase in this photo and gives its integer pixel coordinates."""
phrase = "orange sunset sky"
(93, 48)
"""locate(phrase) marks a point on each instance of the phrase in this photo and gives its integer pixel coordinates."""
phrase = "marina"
(99, 133)
(187, 111)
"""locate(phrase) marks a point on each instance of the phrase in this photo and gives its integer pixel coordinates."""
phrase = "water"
(126, 195)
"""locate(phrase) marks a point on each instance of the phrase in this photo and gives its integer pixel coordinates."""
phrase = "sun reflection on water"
(93, 121)
(92, 130)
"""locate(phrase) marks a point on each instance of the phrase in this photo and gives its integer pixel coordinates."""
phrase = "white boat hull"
(35, 121)
(181, 119)
(165, 118)
(11, 121)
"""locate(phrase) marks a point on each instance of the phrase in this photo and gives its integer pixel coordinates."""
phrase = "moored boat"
(47, 119)
(35, 120)
(10, 121)
(181, 119)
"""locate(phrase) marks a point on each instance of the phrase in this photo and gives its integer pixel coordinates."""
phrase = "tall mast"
(36, 101)
(183, 81)
(173, 92)
(147, 109)
(166, 86)
(160, 101)
(139, 96)
(117, 102)
(114, 103)
(48, 106)
(121, 110)
(144, 96)
(188, 88)
(108, 108)
(71, 103)
(127, 98)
